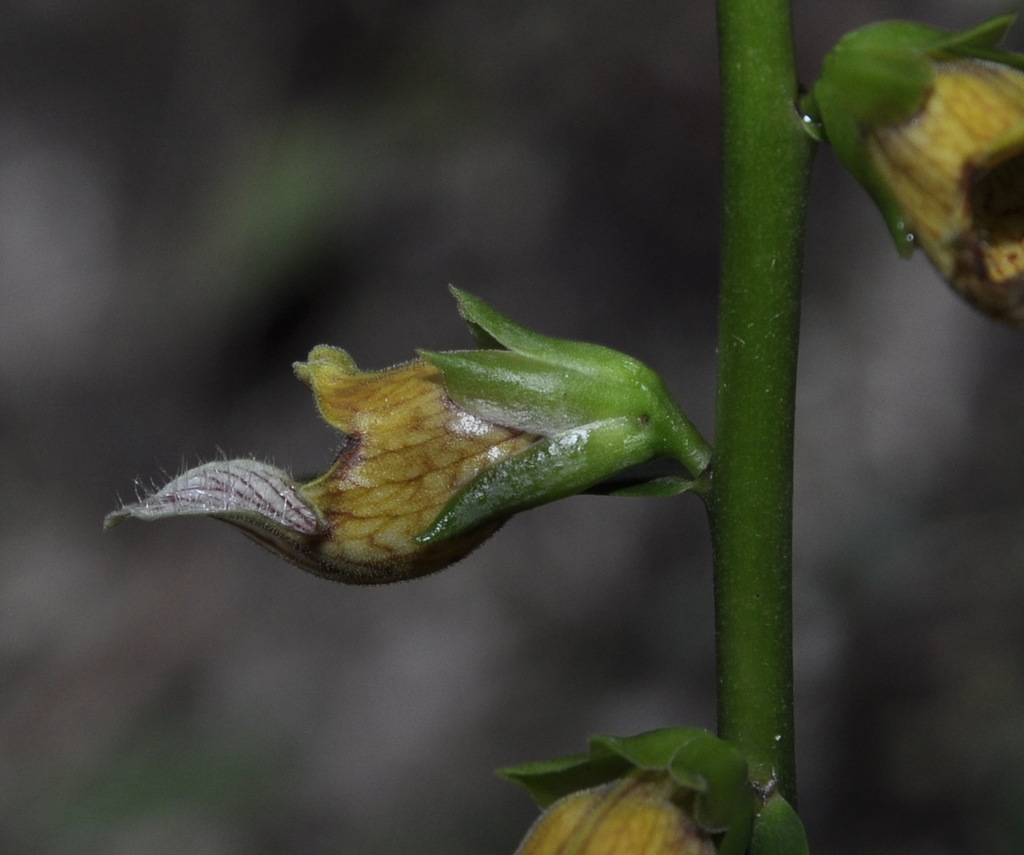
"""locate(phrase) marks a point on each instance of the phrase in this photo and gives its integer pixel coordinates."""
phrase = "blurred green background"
(193, 194)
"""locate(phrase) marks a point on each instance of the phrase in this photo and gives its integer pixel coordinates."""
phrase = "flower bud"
(674, 790)
(932, 123)
(437, 453)
(636, 815)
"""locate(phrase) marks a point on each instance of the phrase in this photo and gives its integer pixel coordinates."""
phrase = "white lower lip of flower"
(226, 487)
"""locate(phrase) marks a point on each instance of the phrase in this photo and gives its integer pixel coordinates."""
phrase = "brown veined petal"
(407, 450)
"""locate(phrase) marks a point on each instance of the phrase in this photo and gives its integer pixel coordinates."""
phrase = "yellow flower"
(408, 449)
(956, 171)
(437, 453)
(932, 124)
(635, 815)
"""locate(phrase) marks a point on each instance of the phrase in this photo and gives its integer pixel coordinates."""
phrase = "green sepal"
(662, 476)
(653, 750)
(595, 411)
(527, 393)
(727, 793)
(867, 81)
(552, 468)
(881, 75)
(543, 384)
(493, 329)
(977, 41)
(777, 830)
(713, 771)
(664, 486)
(549, 780)
(569, 385)
(611, 757)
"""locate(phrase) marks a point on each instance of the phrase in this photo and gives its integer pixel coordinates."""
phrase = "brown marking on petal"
(989, 264)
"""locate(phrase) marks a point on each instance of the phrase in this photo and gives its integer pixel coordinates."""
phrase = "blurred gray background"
(193, 194)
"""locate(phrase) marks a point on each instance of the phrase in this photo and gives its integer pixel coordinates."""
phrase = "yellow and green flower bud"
(674, 790)
(932, 123)
(437, 453)
(636, 815)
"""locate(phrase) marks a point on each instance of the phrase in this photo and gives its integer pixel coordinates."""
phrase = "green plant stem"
(767, 159)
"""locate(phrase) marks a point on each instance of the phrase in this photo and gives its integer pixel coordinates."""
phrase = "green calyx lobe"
(882, 75)
(595, 412)
(541, 384)
(712, 772)
(778, 830)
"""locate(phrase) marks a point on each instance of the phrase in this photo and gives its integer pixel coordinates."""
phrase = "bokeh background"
(194, 193)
